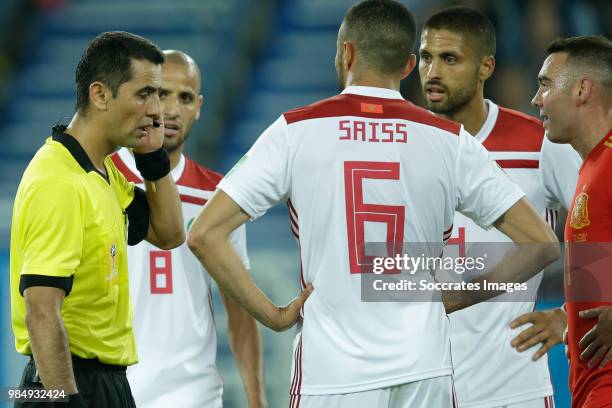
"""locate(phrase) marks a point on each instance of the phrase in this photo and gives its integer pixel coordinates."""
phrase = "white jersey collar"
(489, 123)
(127, 158)
(372, 91)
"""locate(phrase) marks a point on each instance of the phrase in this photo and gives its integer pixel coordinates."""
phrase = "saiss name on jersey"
(365, 166)
(171, 297)
(488, 371)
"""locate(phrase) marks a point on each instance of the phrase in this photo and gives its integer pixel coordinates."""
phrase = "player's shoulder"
(123, 168)
(525, 125)
(197, 176)
(511, 117)
(515, 131)
(370, 107)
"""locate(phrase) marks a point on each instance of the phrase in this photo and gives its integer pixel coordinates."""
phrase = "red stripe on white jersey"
(299, 389)
(526, 131)
(295, 234)
(292, 209)
(296, 384)
(350, 105)
(518, 164)
(191, 199)
(125, 170)
(295, 372)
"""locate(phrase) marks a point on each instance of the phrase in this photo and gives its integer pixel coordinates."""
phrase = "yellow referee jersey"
(69, 230)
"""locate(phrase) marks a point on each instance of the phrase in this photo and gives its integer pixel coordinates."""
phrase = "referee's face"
(181, 101)
(135, 109)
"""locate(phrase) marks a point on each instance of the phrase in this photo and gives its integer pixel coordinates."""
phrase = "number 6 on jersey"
(358, 212)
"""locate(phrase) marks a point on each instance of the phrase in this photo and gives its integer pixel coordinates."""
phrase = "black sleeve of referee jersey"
(60, 282)
(138, 217)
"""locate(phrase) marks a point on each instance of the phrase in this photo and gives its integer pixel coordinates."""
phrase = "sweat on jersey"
(367, 166)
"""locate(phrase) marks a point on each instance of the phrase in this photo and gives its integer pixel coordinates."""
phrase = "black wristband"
(74, 401)
(154, 165)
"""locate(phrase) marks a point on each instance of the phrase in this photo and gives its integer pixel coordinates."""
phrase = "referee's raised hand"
(152, 135)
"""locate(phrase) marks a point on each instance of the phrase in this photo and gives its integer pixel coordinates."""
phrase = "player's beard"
(173, 145)
(455, 100)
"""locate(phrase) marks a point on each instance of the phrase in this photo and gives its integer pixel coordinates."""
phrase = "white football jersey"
(559, 165)
(488, 371)
(367, 166)
(171, 299)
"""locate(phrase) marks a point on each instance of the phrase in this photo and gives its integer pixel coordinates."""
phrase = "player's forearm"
(226, 268)
(518, 265)
(49, 344)
(245, 342)
(535, 247)
(165, 214)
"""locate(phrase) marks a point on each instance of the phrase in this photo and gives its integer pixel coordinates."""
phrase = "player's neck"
(592, 131)
(372, 79)
(91, 139)
(175, 157)
(472, 116)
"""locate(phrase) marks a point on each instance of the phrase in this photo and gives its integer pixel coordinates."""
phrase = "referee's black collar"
(75, 149)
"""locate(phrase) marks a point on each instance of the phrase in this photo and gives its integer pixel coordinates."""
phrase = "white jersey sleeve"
(559, 165)
(265, 172)
(484, 191)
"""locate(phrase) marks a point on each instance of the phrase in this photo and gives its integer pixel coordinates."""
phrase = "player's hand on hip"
(154, 139)
(286, 316)
(596, 344)
(546, 328)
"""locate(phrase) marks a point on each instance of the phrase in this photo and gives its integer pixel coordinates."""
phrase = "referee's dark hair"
(593, 52)
(108, 59)
(383, 32)
(469, 22)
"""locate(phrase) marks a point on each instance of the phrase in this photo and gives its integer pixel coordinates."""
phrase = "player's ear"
(583, 90)
(409, 66)
(487, 66)
(99, 95)
(199, 103)
(348, 54)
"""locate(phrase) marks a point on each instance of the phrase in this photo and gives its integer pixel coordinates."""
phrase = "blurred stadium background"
(258, 59)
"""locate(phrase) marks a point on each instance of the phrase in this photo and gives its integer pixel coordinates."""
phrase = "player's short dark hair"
(108, 59)
(384, 33)
(594, 51)
(471, 23)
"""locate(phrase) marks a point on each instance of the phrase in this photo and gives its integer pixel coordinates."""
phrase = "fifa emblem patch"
(113, 253)
(580, 212)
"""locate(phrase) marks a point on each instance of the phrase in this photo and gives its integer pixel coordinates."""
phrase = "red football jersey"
(589, 224)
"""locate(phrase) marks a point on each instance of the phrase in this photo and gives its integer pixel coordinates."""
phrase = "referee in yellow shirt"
(73, 216)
